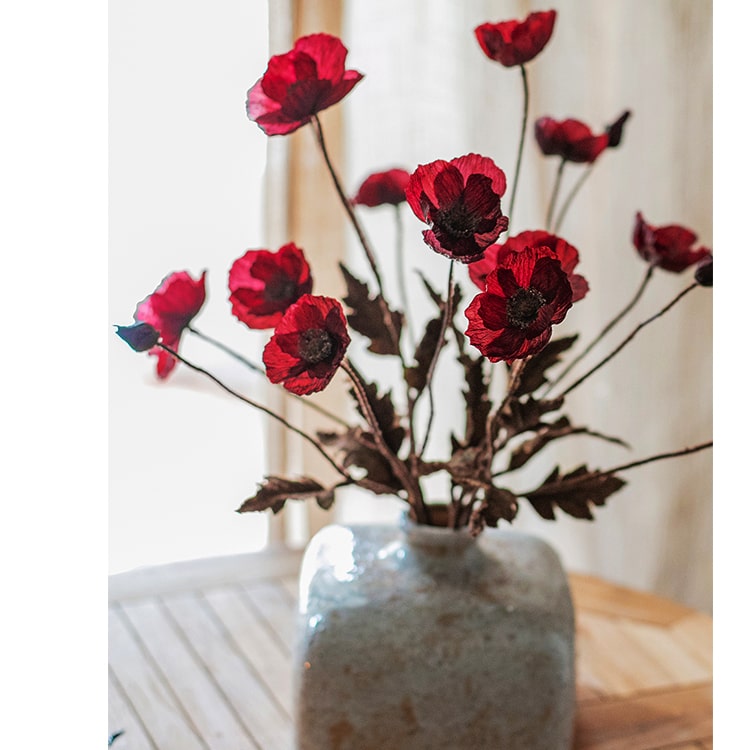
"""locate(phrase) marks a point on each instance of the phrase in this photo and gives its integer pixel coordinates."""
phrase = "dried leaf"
(533, 375)
(358, 448)
(521, 416)
(368, 315)
(275, 491)
(477, 401)
(546, 434)
(385, 415)
(573, 492)
(416, 376)
(497, 504)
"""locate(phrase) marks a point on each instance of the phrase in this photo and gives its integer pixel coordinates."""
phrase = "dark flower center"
(280, 289)
(315, 345)
(523, 307)
(457, 220)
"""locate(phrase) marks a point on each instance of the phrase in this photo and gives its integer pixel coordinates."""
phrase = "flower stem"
(260, 407)
(447, 315)
(364, 242)
(261, 371)
(659, 457)
(629, 339)
(413, 490)
(612, 323)
(571, 195)
(553, 198)
(401, 270)
(523, 138)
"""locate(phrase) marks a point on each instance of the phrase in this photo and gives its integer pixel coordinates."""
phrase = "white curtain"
(429, 92)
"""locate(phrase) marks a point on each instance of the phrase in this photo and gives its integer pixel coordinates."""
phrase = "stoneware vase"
(421, 638)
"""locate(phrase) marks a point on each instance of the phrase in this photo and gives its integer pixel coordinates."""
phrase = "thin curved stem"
(447, 315)
(258, 369)
(628, 339)
(364, 242)
(571, 196)
(523, 138)
(260, 407)
(401, 271)
(612, 323)
(553, 197)
(409, 483)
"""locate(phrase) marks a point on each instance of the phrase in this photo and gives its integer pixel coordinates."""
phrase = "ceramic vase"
(415, 637)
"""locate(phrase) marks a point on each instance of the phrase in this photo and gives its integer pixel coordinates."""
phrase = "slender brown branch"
(629, 339)
(401, 271)
(344, 473)
(257, 368)
(447, 315)
(523, 138)
(363, 241)
(553, 197)
(571, 196)
(410, 484)
(612, 323)
(659, 457)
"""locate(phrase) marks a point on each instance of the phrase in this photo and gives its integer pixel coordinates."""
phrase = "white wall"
(185, 175)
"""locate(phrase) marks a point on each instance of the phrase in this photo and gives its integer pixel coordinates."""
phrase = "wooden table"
(200, 660)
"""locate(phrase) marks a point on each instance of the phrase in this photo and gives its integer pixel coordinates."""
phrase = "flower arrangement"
(524, 284)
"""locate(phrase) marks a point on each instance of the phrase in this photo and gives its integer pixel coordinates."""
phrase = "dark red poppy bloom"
(516, 42)
(381, 188)
(669, 247)
(570, 139)
(308, 345)
(565, 252)
(300, 83)
(176, 301)
(263, 284)
(460, 200)
(527, 293)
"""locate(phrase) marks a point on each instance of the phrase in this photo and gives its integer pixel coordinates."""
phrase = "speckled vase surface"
(422, 638)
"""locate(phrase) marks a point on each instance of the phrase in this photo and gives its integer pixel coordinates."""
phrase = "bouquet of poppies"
(524, 284)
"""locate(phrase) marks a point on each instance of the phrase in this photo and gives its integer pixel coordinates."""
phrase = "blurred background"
(193, 184)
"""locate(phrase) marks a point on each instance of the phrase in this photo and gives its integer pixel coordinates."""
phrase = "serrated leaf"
(546, 434)
(358, 448)
(368, 315)
(521, 416)
(534, 372)
(275, 491)
(476, 397)
(416, 376)
(573, 493)
(497, 504)
(385, 415)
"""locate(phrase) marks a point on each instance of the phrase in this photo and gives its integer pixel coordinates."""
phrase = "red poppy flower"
(300, 83)
(460, 200)
(308, 345)
(169, 310)
(669, 247)
(565, 252)
(264, 284)
(570, 139)
(516, 42)
(527, 293)
(383, 187)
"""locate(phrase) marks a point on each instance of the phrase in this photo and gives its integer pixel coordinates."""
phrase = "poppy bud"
(140, 337)
(704, 272)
